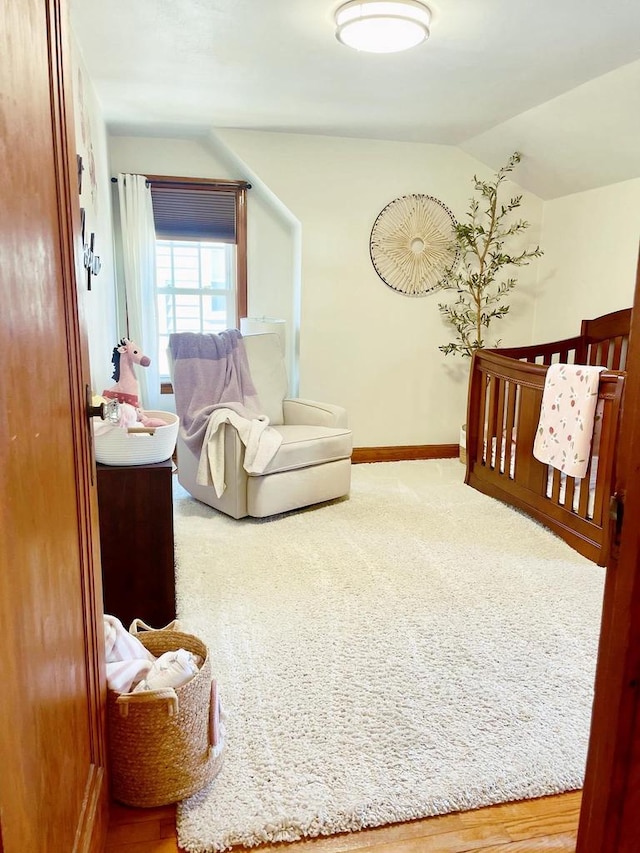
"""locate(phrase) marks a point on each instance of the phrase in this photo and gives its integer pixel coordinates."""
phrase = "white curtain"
(139, 273)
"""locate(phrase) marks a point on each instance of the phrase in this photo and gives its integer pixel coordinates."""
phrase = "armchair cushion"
(304, 445)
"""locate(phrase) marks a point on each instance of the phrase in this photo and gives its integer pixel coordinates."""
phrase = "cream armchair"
(313, 463)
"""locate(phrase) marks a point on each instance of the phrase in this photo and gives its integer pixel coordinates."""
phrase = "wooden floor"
(548, 824)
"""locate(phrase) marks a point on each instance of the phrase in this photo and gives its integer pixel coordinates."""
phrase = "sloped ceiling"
(585, 138)
(559, 81)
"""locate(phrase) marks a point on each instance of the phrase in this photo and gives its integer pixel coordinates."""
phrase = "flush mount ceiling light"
(382, 26)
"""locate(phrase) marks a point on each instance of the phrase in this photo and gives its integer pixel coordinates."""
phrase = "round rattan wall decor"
(411, 244)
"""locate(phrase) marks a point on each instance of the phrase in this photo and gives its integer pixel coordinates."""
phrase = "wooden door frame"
(610, 813)
(94, 817)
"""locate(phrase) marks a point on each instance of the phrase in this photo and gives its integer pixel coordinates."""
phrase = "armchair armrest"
(310, 413)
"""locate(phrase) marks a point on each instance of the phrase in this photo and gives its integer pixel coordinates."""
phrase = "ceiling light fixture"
(382, 26)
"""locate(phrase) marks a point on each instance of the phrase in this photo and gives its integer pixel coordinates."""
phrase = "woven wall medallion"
(411, 244)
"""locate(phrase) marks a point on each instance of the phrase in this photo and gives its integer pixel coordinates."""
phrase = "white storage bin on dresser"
(117, 446)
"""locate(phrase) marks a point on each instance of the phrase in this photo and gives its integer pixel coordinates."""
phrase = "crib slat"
(608, 435)
(480, 450)
(616, 355)
(511, 395)
(570, 487)
(555, 486)
(490, 420)
(623, 355)
(500, 436)
(583, 504)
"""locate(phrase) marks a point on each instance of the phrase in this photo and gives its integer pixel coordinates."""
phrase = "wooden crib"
(505, 392)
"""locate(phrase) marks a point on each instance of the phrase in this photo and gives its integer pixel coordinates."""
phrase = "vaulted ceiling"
(558, 80)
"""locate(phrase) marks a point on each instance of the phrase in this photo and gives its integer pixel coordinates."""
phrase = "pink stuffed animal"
(150, 422)
(126, 390)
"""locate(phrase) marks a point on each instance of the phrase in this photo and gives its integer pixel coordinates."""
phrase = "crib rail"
(502, 417)
(568, 351)
(602, 341)
(606, 339)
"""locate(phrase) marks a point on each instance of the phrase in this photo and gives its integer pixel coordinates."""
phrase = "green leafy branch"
(481, 243)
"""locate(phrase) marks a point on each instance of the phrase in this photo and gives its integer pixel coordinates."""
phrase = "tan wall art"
(412, 244)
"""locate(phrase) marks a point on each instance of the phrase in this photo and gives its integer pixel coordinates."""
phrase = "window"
(195, 285)
(201, 257)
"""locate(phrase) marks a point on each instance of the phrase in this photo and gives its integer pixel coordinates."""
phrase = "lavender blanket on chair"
(211, 375)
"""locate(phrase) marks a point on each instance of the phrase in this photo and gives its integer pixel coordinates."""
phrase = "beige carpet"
(416, 649)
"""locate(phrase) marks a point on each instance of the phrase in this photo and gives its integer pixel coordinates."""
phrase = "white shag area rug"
(416, 649)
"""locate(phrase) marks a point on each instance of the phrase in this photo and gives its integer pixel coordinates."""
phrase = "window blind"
(196, 211)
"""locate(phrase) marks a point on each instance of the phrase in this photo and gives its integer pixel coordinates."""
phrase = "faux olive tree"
(483, 241)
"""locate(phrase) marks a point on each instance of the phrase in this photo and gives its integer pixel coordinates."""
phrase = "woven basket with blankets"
(163, 712)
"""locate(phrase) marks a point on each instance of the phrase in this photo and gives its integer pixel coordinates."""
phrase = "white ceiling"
(557, 79)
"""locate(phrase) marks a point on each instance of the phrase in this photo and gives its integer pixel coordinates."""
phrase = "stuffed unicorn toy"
(126, 390)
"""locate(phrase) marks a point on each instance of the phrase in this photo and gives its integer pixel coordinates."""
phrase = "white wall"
(98, 304)
(590, 241)
(361, 344)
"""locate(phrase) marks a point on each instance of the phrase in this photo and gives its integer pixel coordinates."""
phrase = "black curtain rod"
(115, 181)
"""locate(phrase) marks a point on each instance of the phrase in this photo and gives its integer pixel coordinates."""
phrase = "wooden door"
(52, 778)
(610, 814)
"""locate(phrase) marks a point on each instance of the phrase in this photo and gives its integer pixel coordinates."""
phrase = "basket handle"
(138, 623)
(125, 699)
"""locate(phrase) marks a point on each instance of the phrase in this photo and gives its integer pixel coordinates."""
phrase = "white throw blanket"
(261, 444)
(567, 416)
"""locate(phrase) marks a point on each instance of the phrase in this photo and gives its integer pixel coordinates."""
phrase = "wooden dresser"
(136, 541)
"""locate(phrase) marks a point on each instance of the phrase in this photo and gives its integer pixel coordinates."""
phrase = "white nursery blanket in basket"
(171, 669)
(131, 666)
